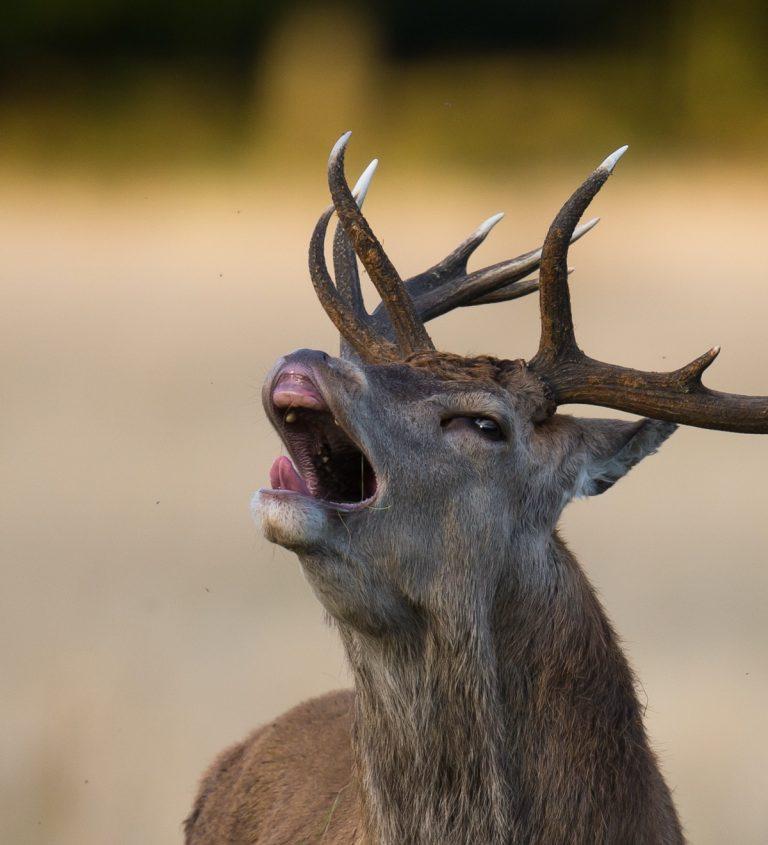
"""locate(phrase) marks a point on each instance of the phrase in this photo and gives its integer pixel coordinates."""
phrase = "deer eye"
(485, 426)
(488, 428)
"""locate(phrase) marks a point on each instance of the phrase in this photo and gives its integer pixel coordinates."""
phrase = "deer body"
(492, 704)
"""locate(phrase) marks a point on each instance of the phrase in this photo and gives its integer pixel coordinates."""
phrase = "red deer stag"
(492, 703)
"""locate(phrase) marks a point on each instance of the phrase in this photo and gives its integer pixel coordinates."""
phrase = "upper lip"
(295, 386)
(325, 453)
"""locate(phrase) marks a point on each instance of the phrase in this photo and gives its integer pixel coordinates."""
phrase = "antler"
(355, 328)
(409, 329)
(343, 302)
(678, 396)
(448, 285)
(345, 263)
(396, 327)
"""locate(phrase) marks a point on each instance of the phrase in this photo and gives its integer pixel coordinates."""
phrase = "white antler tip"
(487, 225)
(364, 182)
(585, 227)
(338, 147)
(610, 162)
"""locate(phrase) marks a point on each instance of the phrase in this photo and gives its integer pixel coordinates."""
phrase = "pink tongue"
(283, 476)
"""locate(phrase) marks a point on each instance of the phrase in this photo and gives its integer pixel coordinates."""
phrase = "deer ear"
(613, 447)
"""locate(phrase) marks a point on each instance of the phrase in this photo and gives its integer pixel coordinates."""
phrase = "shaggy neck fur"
(506, 714)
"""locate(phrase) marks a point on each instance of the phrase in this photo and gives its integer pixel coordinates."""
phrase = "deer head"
(405, 454)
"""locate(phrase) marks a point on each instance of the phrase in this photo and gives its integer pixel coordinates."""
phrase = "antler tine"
(344, 260)
(557, 336)
(465, 290)
(409, 329)
(454, 265)
(433, 297)
(573, 377)
(367, 343)
(453, 268)
(515, 290)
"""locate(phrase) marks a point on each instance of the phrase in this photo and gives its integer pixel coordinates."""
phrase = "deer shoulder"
(288, 782)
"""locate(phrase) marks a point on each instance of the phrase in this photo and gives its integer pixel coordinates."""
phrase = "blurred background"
(162, 167)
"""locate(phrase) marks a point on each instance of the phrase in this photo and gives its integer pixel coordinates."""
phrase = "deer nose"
(307, 357)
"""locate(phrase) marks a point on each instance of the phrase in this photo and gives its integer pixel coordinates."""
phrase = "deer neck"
(467, 724)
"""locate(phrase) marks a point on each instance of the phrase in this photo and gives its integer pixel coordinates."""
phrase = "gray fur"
(493, 703)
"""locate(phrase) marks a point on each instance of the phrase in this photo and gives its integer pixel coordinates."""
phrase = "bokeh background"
(162, 166)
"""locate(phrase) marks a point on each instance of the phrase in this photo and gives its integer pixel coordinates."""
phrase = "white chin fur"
(288, 521)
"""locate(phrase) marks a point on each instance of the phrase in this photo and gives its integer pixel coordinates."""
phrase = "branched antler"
(678, 396)
(396, 330)
(398, 321)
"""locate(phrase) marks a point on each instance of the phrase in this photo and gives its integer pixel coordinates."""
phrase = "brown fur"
(271, 794)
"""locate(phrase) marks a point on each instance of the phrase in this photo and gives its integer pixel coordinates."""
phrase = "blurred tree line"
(231, 31)
(226, 77)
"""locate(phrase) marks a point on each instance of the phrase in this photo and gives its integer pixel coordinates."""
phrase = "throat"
(429, 740)
(467, 725)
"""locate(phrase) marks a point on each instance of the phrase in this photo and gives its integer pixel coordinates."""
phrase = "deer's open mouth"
(327, 464)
